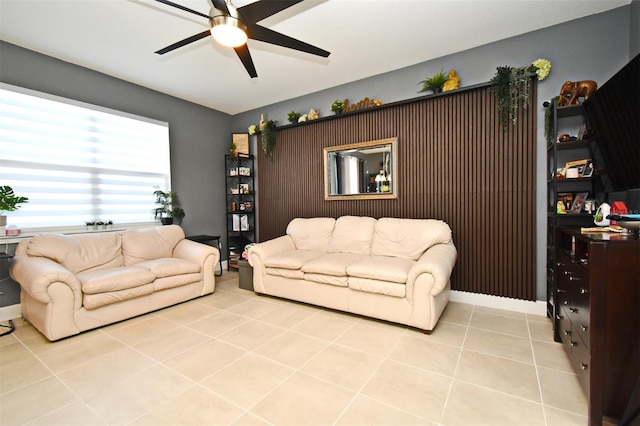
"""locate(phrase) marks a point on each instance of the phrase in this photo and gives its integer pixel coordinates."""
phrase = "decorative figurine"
(572, 90)
(452, 83)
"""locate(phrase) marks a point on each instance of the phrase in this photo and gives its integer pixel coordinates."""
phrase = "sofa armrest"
(196, 252)
(258, 253)
(438, 261)
(36, 274)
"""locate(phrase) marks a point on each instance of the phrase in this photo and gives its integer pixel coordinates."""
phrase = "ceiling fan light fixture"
(228, 31)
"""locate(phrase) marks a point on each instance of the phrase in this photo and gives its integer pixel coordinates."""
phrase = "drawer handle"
(584, 366)
(572, 278)
(565, 302)
(559, 317)
(574, 344)
(584, 327)
(559, 290)
(574, 310)
(567, 332)
(583, 290)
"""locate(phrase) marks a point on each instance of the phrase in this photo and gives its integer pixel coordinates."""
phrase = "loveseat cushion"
(79, 253)
(139, 245)
(311, 234)
(382, 268)
(352, 234)
(408, 238)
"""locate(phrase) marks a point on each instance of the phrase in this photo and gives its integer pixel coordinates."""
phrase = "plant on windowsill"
(9, 202)
(169, 207)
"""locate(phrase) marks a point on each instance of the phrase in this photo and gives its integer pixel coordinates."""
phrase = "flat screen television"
(613, 120)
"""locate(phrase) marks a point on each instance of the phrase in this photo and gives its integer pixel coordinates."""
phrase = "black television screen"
(613, 117)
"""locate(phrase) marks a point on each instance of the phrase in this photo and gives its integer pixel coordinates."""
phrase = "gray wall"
(199, 136)
(634, 24)
(592, 48)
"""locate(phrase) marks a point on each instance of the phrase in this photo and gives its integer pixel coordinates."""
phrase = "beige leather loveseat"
(73, 283)
(392, 269)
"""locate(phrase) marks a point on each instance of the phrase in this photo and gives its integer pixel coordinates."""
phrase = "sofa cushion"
(79, 253)
(139, 245)
(293, 259)
(378, 287)
(331, 264)
(93, 301)
(295, 274)
(352, 234)
(114, 279)
(408, 238)
(167, 267)
(311, 234)
(342, 281)
(382, 268)
(175, 281)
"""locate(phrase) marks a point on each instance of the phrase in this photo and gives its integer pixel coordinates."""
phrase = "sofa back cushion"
(352, 234)
(79, 253)
(311, 234)
(408, 238)
(139, 245)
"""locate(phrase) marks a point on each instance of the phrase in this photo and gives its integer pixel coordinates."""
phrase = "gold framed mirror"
(364, 170)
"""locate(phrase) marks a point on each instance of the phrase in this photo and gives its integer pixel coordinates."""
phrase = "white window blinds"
(77, 162)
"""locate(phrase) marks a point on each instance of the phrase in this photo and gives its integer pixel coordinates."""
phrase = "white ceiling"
(365, 38)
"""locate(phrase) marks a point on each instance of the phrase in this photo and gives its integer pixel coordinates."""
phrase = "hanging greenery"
(269, 138)
(511, 86)
(548, 120)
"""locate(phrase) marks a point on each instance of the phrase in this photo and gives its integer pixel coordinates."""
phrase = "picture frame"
(588, 169)
(578, 202)
(241, 140)
(580, 164)
(566, 198)
(243, 188)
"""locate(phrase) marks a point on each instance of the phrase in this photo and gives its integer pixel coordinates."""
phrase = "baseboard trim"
(10, 312)
(537, 307)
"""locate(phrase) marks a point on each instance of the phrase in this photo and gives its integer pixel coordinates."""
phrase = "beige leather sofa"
(73, 283)
(392, 269)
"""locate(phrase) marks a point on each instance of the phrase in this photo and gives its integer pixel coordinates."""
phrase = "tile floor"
(237, 358)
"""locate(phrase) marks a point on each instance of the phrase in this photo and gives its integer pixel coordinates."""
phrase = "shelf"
(237, 240)
(569, 111)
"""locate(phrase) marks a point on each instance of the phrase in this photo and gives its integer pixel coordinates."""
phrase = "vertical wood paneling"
(455, 163)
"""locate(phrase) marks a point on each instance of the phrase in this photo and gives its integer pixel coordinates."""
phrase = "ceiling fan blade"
(184, 42)
(221, 5)
(186, 9)
(266, 35)
(259, 10)
(245, 57)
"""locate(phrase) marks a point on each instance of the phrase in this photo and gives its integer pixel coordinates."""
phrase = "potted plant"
(337, 106)
(233, 149)
(293, 117)
(168, 206)
(9, 202)
(434, 83)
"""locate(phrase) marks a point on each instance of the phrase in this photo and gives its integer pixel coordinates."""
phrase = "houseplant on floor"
(9, 202)
(169, 208)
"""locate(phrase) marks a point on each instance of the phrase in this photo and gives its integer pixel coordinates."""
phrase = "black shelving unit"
(241, 207)
(569, 120)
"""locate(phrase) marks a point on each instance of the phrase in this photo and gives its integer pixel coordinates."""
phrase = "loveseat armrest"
(438, 261)
(36, 274)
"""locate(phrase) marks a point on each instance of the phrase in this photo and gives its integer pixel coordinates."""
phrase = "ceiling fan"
(233, 26)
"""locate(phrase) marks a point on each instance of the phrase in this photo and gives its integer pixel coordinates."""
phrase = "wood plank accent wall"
(455, 164)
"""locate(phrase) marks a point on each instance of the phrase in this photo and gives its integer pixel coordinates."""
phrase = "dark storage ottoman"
(246, 275)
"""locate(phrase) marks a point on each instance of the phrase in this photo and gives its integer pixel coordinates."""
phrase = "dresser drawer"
(580, 358)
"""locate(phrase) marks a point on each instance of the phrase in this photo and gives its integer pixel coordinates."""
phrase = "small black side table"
(11, 325)
(207, 239)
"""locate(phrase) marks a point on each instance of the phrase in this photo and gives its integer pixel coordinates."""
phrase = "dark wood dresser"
(598, 317)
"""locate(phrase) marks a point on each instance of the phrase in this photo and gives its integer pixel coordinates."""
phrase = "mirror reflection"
(361, 170)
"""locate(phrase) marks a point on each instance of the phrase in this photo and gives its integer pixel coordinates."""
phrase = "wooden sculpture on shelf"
(571, 91)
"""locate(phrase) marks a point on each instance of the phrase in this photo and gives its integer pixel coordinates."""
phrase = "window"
(78, 162)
